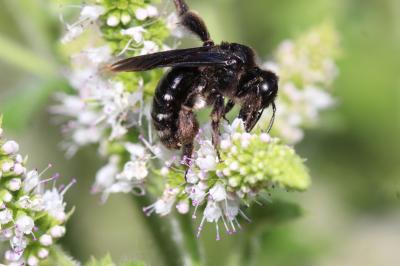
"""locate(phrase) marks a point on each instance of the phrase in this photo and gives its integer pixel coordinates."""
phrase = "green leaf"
(274, 213)
(106, 261)
(36, 25)
(133, 263)
(21, 57)
(23, 103)
(60, 258)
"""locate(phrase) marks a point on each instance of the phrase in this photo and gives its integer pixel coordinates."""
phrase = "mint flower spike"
(306, 67)
(252, 165)
(32, 217)
(110, 111)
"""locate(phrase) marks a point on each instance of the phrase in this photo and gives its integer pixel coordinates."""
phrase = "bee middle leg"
(217, 113)
(228, 107)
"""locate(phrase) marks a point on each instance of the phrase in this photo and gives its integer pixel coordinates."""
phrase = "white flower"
(92, 12)
(149, 47)
(141, 14)
(57, 231)
(7, 166)
(54, 204)
(135, 32)
(33, 261)
(212, 212)
(46, 240)
(5, 216)
(136, 151)
(88, 15)
(99, 55)
(73, 32)
(10, 147)
(24, 224)
(172, 23)
(206, 157)
(152, 11)
(163, 205)
(43, 253)
(125, 18)
(19, 169)
(113, 21)
(196, 194)
(231, 208)
(105, 177)
(218, 192)
(18, 243)
(31, 180)
(14, 184)
(192, 177)
(134, 170)
(11, 255)
(6, 196)
(183, 206)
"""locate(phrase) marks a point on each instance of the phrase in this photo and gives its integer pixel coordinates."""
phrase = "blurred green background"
(351, 213)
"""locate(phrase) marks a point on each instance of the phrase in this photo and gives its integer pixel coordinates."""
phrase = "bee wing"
(192, 57)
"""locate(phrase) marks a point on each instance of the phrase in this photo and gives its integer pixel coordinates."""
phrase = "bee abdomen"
(170, 94)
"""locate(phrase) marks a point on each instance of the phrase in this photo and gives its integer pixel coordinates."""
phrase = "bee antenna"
(271, 122)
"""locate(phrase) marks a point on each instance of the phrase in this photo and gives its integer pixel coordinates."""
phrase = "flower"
(307, 70)
(113, 112)
(251, 165)
(110, 111)
(31, 216)
(89, 14)
(10, 147)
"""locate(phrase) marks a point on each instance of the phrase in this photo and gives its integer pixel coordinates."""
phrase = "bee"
(201, 77)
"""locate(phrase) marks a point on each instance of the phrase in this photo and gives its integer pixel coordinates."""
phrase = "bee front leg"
(217, 113)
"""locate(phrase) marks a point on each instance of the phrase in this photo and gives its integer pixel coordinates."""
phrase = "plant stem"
(190, 241)
(173, 236)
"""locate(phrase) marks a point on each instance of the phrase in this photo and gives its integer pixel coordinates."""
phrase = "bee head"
(257, 90)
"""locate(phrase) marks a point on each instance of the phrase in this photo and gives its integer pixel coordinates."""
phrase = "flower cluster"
(32, 217)
(250, 165)
(307, 69)
(112, 111)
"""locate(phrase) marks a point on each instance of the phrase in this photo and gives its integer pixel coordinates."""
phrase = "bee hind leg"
(193, 22)
(188, 127)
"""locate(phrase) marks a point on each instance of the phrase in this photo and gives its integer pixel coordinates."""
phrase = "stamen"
(237, 223)
(244, 216)
(195, 210)
(258, 202)
(200, 228)
(147, 144)
(233, 226)
(218, 237)
(149, 209)
(228, 231)
(44, 170)
(68, 186)
(54, 177)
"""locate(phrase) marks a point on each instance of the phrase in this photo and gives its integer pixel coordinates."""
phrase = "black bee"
(200, 77)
